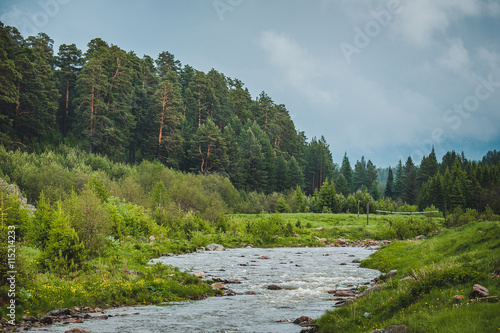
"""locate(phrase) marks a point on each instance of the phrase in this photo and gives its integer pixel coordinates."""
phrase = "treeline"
(132, 109)
(114, 103)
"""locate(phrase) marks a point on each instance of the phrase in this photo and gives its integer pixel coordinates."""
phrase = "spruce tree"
(346, 171)
(389, 185)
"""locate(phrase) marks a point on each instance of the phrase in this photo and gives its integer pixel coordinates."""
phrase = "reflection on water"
(305, 273)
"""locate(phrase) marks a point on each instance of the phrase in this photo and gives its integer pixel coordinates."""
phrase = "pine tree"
(69, 61)
(398, 181)
(389, 185)
(232, 166)
(36, 107)
(168, 118)
(359, 175)
(282, 176)
(10, 78)
(252, 162)
(410, 190)
(328, 197)
(342, 186)
(208, 149)
(346, 171)
(92, 86)
(371, 175)
(296, 174)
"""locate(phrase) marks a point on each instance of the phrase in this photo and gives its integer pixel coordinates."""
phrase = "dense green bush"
(64, 251)
(266, 229)
(410, 228)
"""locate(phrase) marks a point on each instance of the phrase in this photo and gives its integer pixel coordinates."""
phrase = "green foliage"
(265, 229)
(410, 228)
(64, 251)
(42, 221)
(90, 219)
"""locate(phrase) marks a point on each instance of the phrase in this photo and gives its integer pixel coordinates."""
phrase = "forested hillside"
(111, 102)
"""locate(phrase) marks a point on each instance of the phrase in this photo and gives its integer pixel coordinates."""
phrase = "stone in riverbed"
(274, 287)
(200, 275)
(344, 293)
(218, 286)
(302, 320)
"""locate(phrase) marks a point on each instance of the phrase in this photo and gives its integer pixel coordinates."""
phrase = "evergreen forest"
(113, 103)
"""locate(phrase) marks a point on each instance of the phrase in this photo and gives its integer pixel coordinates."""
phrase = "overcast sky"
(384, 78)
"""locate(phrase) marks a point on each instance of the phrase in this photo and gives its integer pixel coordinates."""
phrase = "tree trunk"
(65, 119)
(160, 136)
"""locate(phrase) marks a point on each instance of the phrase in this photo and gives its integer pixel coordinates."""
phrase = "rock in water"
(218, 286)
(344, 293)
(215, 247)
(302, 320)
(274, 287)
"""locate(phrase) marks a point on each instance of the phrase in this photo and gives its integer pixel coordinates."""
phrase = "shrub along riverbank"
(430, 273)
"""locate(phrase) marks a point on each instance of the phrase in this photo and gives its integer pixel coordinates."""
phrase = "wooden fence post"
(367, 213)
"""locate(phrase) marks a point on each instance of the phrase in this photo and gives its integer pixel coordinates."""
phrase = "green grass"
(349, 226)
(441, 267)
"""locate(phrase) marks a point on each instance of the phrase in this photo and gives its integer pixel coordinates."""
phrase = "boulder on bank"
(57, 313)
(375, 288)
(391, 274)
(215, 247)
(480, 291)
(200, 275)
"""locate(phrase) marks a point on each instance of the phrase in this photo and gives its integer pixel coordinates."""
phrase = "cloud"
(489, 58)
(353, 109)
(299, 67)
(421, 21)
(456, 57)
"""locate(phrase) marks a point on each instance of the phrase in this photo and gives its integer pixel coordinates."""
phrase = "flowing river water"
(307, 274)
